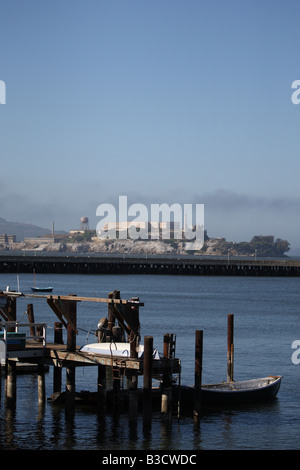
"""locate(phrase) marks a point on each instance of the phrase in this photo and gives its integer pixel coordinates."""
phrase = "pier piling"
(230, 347)
(71, 314)
(57, 370)
(31, 319)
(10, 384)
(198, 373)
(147, 391)
(166, 395)
(41, 385)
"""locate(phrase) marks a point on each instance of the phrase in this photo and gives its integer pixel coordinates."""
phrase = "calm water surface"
(266, 322)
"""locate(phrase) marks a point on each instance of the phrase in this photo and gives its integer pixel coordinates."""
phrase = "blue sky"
(162, 101)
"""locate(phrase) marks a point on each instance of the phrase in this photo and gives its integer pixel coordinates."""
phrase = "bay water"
(266, 324)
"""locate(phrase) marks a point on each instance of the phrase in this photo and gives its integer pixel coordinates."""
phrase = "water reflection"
(52, 428)
(9, 430)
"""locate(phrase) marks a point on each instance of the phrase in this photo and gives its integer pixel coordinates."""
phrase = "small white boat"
(115, 349)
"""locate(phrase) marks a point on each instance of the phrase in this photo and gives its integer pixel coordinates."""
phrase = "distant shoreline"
(259, 246)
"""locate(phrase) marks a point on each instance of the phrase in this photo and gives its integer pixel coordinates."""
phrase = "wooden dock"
(118, 353)
(121, 324)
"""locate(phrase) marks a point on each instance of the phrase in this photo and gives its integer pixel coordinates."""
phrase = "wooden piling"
(132, 379)
(11, 310)
(41, 385)
(117, 377)
(10, 384)
(70, 389)
(230, 348)
(147, 383)
(101, 386)
(57, 370)
(166, 396)
(71, 313)
(198, 372)
(58, 333)
(31, 319)
(111, 317)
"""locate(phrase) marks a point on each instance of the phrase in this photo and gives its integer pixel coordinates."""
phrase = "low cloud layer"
(228, 214)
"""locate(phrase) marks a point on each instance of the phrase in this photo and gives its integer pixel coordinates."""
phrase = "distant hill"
(21, 230)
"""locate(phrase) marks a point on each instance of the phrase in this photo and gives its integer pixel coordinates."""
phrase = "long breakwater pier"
(126, 264)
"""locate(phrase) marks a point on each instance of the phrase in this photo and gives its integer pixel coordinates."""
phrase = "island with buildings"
(84, 240)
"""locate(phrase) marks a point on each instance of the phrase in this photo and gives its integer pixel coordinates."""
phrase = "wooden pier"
(120, 358)
(121, 324)
(172, 265)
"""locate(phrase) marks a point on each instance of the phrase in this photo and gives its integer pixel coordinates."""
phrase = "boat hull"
(115, 349)
(248, 391)
(235, 393)
(42, 289)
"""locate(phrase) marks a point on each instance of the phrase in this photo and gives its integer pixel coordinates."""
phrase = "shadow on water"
(49, 427)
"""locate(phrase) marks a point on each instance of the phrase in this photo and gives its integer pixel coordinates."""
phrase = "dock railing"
(14, 327)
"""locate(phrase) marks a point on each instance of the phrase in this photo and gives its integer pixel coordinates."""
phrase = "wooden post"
(31, 319)
(70, 389)
(11, 310)
(132, 314)
(58, 333)
(41, 384)
(230, 348)
(71, 347)
(10, 384)
(57, 370)
(147, 390)
(198, 372)
(132, 379)
(39, 334)
(111, 318)
(117, 377)
(166, 396)
(71, 325)
(101, 385)
(132, 318)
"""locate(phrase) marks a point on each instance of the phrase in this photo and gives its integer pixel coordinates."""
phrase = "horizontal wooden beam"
(80, 299)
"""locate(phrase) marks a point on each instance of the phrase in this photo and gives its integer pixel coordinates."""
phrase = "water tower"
(84, 223)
